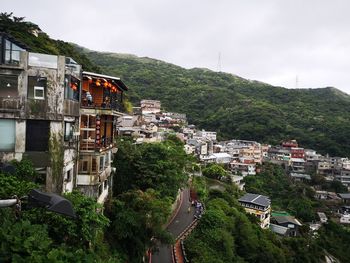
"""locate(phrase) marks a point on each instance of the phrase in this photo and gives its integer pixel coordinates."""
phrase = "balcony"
(10, 104)
(94, 168)
(101, 92)
(96, 132)
(90, 144)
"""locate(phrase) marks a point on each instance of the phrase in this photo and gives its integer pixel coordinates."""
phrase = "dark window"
(8, 86)
(69, 176)
(37, 87)
(68, 130)
(37, 135)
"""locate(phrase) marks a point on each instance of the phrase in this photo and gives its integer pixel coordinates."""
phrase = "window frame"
(38, 88)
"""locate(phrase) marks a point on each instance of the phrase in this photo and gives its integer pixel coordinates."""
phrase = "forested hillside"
(231, 105)
(236, 107)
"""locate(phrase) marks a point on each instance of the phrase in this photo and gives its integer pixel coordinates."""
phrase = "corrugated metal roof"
(255, 199)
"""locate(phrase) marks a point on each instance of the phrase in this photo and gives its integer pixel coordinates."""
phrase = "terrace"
(102, 92)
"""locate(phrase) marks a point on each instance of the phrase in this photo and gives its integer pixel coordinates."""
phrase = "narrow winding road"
(179, 223)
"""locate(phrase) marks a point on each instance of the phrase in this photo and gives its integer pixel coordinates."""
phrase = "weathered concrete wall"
(20, 145)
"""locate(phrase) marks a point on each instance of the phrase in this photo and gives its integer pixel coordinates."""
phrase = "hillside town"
(66, 121)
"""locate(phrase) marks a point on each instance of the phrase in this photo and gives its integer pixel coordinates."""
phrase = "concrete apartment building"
(60, 118)
(39, 112)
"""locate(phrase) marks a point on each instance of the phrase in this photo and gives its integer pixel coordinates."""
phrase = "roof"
(344, 195)
(281, 230)
(287, 219)
(116, 80)
(321, 215)
(14, 40)
(255, 199)
(221, 155)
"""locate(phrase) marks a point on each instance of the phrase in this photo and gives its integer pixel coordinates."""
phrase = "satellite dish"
(51, 202)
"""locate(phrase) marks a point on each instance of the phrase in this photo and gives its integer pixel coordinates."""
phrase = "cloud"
(272, 41)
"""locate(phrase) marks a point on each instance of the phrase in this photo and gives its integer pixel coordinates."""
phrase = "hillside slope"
(231, 105)
(237, 107)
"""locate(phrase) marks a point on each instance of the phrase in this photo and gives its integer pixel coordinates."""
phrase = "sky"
(289, 43)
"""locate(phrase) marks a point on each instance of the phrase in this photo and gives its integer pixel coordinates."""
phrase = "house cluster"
(60, 117)
(149, 123)
(301, 162)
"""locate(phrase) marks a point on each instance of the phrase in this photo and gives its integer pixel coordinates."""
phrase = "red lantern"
(98, 83)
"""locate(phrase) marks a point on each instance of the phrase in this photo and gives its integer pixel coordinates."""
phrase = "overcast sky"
(290, 43)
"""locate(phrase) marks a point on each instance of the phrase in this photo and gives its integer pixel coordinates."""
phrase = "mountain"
(236, 107)
(233, 106)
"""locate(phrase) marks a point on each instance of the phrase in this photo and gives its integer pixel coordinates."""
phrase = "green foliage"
(158, 165)
(336, 240)
(25, 170)
(215, 171)
(295, 197)
(227, 234)
(42, 236)
(137, 220)
(148, 176)
(56, 152)
(11, 185)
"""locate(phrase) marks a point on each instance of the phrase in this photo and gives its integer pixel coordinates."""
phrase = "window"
(37, 135)
(39, 93)
(69, 176)
(8, 135)
(8, 86)
(102, 163)
(12, 53)
(36, 87)
(71, 88)
(83, 165)
(68, 130)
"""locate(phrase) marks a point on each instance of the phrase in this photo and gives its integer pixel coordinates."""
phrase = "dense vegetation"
(227, 234)
(42, 236)
(295, 197)
(148, 178)
(149, 175)
(298, 199)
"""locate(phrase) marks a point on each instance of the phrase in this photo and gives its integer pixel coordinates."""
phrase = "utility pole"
(219, 63)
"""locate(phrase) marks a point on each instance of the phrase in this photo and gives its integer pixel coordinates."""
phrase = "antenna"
(219, 63)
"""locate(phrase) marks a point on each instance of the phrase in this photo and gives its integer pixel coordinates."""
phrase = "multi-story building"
(344, 177)
(297, 153)
(150, 106)
(39, 112)
(101, 105)
(258, 205)
(209, 135)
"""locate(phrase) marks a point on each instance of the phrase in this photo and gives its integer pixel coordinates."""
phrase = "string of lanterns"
(104, 83)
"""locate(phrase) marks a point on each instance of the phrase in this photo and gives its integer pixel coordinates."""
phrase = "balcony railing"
(10, 104)
(91, 145)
